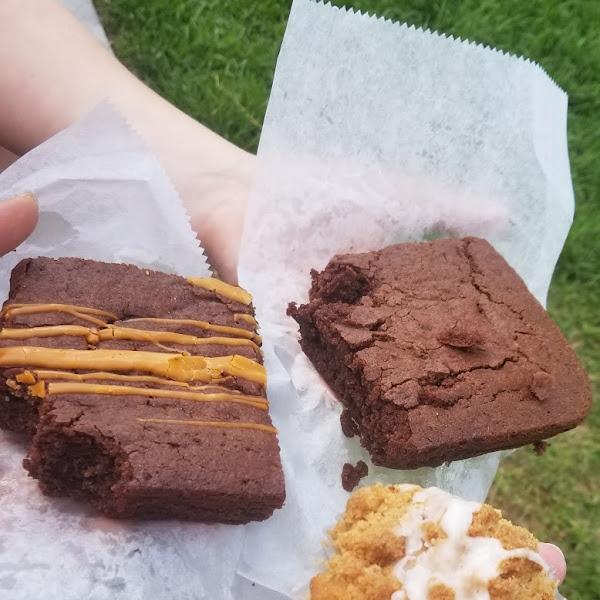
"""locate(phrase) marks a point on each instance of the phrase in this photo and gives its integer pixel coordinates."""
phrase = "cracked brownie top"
(439, 352)
(141, 392)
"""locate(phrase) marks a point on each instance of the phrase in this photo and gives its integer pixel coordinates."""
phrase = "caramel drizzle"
(30, 377)
(172, 366)
(86, 314)
(236, 331)
(80, 312)
(166, 369)
(224, 289)
(91, 335)
(227, 424)
(57, 389)
(244, 317)
(113, 332)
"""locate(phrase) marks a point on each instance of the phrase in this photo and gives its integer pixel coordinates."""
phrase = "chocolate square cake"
(439, 352)
(140, 392)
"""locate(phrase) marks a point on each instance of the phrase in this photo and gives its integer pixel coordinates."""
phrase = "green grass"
(215, 59)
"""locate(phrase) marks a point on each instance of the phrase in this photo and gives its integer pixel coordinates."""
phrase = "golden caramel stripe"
(237, 331)
(112, 332)
(81, 312)
(50, 331)
(73, 313)
(228, 424)
(237, 317)
(167, 337)
(58, 388)
(29, 377)
(84, 313)
(224, 289)
(179, 367)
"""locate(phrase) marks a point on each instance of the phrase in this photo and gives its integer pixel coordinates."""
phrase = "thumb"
(18, 218)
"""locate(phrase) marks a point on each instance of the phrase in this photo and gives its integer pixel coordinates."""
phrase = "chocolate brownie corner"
(142, 393)
(439, 352)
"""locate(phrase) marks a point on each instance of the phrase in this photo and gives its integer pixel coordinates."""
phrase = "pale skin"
(52, 72)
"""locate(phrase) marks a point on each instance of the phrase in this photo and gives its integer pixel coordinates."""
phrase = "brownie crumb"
(349, 426)
(540, 447)
(352, 474)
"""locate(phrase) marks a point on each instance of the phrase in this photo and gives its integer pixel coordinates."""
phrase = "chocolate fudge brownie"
(140, 392)
(439, 352)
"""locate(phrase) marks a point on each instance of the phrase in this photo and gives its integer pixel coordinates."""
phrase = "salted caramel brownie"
(140, 392)
(439, 352)
(403, 542)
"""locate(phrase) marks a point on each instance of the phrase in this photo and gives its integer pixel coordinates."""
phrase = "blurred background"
(215, 59)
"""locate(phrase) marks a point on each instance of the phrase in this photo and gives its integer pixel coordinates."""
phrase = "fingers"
(555, 558)
(18, 218)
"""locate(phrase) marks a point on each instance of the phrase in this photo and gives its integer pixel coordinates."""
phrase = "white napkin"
(103, 196)
(377, 133)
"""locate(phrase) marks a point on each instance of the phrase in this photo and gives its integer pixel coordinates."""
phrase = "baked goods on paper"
(327, 150)
(378, 133)
(404, 542)
(439, 352)
(142, 393)
(104, 197)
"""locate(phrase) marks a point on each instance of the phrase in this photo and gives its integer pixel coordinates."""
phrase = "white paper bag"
(376, 133)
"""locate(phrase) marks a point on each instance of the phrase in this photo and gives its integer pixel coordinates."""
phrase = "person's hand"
(554, 557)
(215, 198)
(18, 218)
(211, 174)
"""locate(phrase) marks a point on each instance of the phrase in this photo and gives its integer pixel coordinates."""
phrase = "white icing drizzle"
(462, 563)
